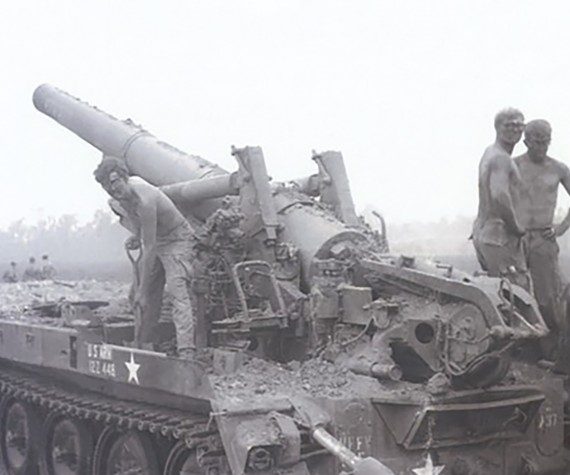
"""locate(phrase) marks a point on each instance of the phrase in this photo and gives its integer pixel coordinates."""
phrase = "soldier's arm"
(501, 169)
(124, 219)
(133, 241)
(148, 217)
(565, 180)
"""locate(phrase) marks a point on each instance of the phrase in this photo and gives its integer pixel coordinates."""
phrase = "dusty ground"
(20, 300)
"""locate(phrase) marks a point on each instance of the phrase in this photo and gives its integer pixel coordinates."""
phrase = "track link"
(95, 407)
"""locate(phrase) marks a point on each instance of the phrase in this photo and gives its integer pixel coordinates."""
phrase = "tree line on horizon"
(100, 241)
(64, 239)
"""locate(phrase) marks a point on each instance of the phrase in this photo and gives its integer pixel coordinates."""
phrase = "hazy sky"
(407, 90)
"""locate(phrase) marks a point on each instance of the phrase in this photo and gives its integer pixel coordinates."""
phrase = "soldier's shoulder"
(490, 151)
(497, 159)
(559, 166)
(495, 153)
(144, 189)
(139, 182)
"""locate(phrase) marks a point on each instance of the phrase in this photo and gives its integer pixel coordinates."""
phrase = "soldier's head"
(537, 135)
(509, 124)
(13, 264)
(32, 260)
(113, 175)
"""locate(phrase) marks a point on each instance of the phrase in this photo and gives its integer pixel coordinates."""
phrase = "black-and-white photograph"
(269, 237)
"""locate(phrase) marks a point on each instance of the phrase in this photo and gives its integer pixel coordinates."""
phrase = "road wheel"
(19, 429)
(182, 461)
(68, 447)
(124, 453)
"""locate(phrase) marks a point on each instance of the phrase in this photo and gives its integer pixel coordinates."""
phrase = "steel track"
(173, 424)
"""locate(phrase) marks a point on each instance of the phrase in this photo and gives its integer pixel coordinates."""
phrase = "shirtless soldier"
(497, 232)
(541, 175)
(165, 237)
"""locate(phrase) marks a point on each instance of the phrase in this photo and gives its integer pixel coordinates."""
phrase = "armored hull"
(76, 401)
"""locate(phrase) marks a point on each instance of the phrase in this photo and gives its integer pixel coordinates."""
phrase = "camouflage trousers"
(172, 275)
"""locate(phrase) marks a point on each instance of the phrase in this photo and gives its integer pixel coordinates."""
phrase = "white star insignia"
(429, 469)
(133, 369)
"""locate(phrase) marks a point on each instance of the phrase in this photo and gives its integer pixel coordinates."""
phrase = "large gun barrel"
(193, 183)
(145, 155)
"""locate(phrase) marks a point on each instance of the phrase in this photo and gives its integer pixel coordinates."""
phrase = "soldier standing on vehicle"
(165, 238)
(541, 175)
(11, 276)
(497, 232)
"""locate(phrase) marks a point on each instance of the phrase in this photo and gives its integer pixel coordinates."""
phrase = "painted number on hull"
(101, 360)
(547, 420)
(102, 368)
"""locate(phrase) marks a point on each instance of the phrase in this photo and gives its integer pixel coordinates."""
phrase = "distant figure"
(497, 232)
(48, 271)
(166, 263)
(11, 275)
(31, 272)
(541, 175)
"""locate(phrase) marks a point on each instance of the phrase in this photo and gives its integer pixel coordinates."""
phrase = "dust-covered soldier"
(31, 272)
(48, 270)
(165, 238)
(497, 231)
(11, 275)
(540, 177)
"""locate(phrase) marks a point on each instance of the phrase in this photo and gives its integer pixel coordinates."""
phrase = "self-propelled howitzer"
(322, 351)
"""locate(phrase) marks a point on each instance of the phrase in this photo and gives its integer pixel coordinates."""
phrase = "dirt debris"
(17, 300)
(315, 377)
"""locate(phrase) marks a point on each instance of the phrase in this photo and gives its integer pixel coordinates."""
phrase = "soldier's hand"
(520, 232)
(559, 230)
(140, 300)
(133, 243)
(549, 233)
